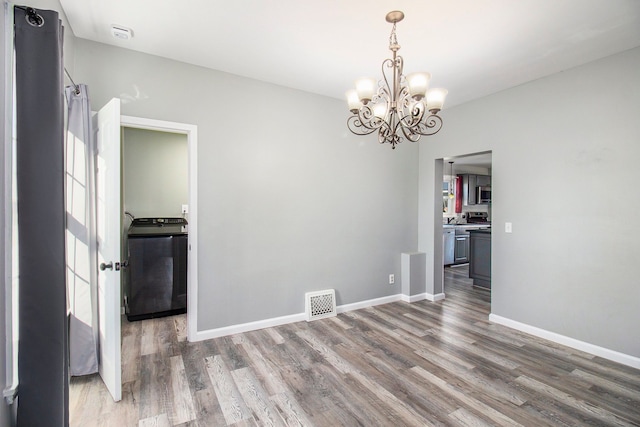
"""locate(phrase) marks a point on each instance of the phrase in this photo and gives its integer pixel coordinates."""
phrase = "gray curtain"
(81, 235)
(43, 391)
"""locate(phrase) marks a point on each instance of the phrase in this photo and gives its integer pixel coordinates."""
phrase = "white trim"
(10, 269)
(369, 303)
(283, 320)
(247, 327)
(414, 298)
(606, 353)
(434, 298)
(192, 266)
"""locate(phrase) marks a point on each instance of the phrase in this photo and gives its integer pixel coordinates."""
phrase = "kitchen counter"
(478, 224)
(466, 227)
(482, 230)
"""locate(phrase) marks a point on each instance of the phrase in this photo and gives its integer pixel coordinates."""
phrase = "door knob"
(104, 266)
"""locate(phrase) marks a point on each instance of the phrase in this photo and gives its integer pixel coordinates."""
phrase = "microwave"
(483, 195)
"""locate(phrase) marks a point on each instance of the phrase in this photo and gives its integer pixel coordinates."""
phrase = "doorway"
(132, 125)
(154, 187)
(459, 209)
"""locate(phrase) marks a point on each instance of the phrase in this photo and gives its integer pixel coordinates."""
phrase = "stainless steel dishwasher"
(448, 245)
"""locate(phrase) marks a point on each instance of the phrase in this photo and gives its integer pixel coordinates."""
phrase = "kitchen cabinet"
(480, 258)
(469, 189)
(470, 183)
(483, 180)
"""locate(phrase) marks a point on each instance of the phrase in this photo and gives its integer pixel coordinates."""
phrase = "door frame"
(191, 131)
(438, 172)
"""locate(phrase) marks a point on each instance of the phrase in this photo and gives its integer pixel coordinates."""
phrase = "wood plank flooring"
(399, 364)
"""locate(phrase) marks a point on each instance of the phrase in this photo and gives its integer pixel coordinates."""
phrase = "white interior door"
(108, 228)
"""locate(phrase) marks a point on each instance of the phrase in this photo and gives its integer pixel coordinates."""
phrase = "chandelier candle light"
(399, 107)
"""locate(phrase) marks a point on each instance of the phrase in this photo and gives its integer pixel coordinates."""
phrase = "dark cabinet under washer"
(156, 279)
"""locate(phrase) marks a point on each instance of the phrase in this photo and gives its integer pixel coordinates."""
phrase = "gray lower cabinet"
(461, 251)
(480, 258)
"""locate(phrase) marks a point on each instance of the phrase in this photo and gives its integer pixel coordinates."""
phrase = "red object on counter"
(458, 193)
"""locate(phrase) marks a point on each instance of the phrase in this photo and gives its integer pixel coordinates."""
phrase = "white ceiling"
(471, 47)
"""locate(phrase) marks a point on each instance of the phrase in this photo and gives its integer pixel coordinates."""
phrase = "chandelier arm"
(412, 114)
(411, 133)
(396, 123)
(430, 125)
(356, 126)
(407, 125)
(388, 135)
(368, 120)
(364, 122)
(386, 64)
(383, 95)
(410, 117)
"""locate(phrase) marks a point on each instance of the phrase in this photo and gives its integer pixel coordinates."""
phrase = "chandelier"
(398, 107)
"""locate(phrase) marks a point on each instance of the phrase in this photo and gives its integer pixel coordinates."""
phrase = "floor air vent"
(320, 304)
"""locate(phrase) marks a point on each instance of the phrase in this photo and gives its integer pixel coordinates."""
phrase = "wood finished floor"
(399, 364)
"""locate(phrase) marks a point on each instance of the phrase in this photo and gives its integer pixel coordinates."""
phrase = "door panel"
(108, 227)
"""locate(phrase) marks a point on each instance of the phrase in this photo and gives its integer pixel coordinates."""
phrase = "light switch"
(507, 227)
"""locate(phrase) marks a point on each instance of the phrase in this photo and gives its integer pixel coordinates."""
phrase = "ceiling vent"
(120, 32)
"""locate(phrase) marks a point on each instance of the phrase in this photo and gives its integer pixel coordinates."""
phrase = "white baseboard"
(606, 353)
(434, 298)
(283, 320)
(368, 303)
(251, 326)
(413, 298)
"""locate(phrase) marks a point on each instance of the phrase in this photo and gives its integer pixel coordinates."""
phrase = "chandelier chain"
(393, 39)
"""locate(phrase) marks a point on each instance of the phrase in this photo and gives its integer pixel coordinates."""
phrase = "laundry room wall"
(155, 172)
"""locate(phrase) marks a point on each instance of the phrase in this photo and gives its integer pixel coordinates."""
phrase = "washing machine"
(156, 273)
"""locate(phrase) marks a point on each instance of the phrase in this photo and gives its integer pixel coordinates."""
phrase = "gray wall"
(155, 173)
(289, 201)
(565, 173)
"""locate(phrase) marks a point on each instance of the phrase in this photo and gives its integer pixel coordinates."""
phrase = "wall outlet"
(185, 209)
(392, 279)
(508, 228)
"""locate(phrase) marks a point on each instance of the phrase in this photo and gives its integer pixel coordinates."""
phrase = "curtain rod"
(36, 20)
(33, 17)
(77, 91)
